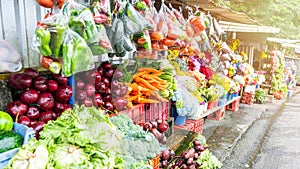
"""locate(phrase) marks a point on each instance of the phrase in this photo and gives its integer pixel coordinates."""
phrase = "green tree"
(283, 14)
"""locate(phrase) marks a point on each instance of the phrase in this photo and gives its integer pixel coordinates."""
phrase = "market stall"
(119, 81)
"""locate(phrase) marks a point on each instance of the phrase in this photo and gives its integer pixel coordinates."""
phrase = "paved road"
(265, 136)
(281, 147)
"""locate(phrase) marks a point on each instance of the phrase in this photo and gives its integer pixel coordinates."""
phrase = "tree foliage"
(283, 14)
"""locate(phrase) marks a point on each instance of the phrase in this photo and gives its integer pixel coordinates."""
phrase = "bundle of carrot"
(146, 86)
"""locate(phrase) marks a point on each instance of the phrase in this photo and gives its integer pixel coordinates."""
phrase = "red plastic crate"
(234, 106)
(137, 114)
(217, 115)
(212, 104)
(156, 111)
(192, 125)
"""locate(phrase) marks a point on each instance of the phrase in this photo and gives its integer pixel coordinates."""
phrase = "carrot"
(148, 70)
(161, 87)
(134, 97)
(156, 96)
(145, 83)
(138, 74)
(144, 100)
(154, 78)
(130, 105)
(139, 88)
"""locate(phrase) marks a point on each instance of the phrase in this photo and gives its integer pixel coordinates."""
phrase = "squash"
(6, 122)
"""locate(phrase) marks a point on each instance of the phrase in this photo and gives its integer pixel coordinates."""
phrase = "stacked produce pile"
(197, 156)
(75, 141)
(37, 98)
(102, 88)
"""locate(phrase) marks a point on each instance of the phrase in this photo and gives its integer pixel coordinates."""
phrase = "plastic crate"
(192, 125)
(222, 102)
(156, 111)
(178, 120)
(211, 105)
(27, 134)
(217, 115)
(234, 106)
(137, 114)
(154, 162)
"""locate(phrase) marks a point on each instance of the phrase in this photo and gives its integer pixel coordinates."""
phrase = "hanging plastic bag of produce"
(102, 44)
(10, 59)
(138, 20)
(178, 15)
(101, 11)
(81, 20)
(77, 55)
(118, 39)
(143, 44)
(50, 34)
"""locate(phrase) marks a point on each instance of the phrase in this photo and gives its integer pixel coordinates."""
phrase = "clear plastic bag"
(102, 44)
(50, 34)
(10, 59)
(77, 55)
(81, 20)
(101, 11)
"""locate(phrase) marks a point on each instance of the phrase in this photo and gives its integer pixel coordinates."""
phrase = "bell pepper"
(58, 38)
(44, 37)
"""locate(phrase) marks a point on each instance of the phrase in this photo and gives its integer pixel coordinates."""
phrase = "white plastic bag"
(10, 59)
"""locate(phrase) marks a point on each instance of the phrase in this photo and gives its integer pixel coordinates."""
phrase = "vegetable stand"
(117, 73)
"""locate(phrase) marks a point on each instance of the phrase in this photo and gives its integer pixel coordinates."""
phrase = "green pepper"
(44, 37)
(141, 5)
(67, 58)
(97, 50)
(58, 38)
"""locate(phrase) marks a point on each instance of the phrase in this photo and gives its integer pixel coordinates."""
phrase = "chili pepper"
(44, 38)
(58, 38)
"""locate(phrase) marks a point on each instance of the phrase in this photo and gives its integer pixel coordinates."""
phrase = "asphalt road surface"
(259, 136)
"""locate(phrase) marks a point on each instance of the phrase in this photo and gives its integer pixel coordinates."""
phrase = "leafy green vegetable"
(208, 161)
(138, 146)
(80, 138)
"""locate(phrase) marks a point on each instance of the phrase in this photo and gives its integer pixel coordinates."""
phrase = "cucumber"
(9, 140)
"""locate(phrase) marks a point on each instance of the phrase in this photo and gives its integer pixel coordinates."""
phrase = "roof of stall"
(228, 19)
(285, 42)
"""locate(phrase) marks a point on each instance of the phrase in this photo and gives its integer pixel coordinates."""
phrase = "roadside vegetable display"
(116, 72)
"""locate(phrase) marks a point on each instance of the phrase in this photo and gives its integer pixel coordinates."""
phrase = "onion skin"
(33, 112)
(16, 108)
(29, 96)
(46, 101)
(32, 72)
